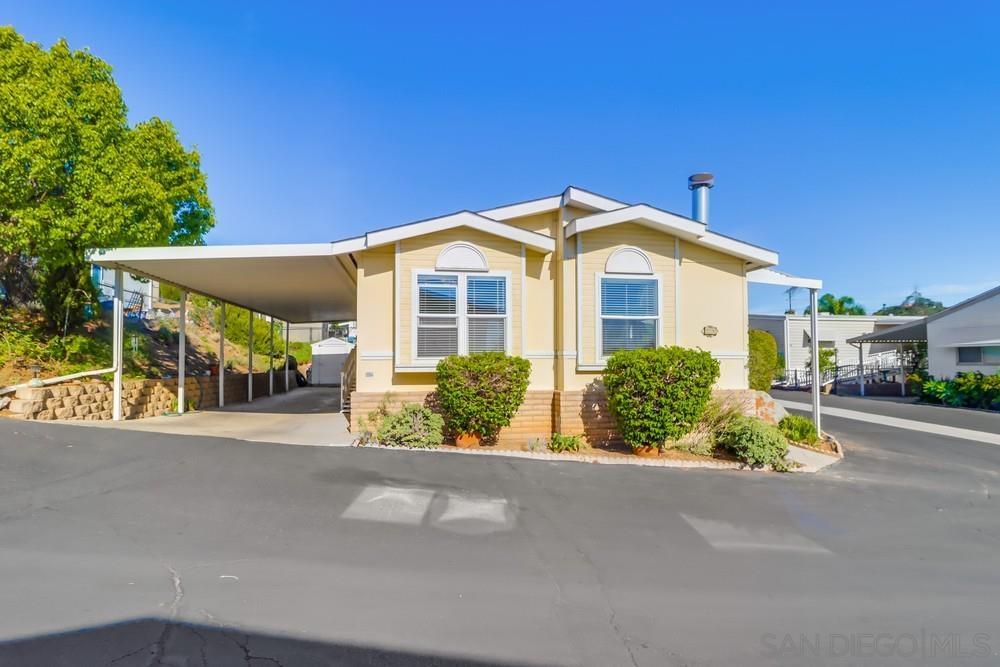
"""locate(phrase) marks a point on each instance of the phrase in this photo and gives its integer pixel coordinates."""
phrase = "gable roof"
(606, 211)
(533, 240)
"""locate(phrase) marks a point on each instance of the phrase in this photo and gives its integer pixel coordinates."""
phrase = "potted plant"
(479, 394)
(658, 395)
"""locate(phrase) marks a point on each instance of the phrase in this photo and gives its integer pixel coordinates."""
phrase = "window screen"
(970, 355)
(486, 304)
(437, 315)
(629, 314)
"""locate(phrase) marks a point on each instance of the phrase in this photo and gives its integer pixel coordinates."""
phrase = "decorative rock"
(63, 413)
(81, 410)
(32, 393)
(75, 389)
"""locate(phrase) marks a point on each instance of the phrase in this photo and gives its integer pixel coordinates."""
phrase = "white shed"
(328, 357)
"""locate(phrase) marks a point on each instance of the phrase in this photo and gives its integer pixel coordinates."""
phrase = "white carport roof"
(308, 282)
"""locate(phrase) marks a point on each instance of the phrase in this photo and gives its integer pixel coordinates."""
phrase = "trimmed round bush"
(755, 442)
(480, 393)
(763, 361)
(413, 426)
(658, 395)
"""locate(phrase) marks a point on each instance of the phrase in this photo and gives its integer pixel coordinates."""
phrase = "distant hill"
(915, 304)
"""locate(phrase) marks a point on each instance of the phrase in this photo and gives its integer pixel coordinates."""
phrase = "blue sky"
(860, 140)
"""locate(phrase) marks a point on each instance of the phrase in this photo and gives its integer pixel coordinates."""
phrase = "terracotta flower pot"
(647, 452)
(467, 440)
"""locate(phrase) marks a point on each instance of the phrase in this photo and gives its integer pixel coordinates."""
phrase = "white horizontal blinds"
(629, 314)
(486, 306)
(437, 315)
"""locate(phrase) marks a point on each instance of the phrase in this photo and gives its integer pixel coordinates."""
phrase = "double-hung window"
(629, 313)
(460, 314)
(437, 315)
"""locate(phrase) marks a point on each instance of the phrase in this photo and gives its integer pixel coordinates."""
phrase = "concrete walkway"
(305, 416)
(896, 422)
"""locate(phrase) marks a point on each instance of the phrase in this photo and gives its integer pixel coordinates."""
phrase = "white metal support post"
(222, 354)
(250, 362)
(817, 375)
(861, 367)
(117, 355)
(902, 373)
(270, 357)
(181, 352)
(286, 356)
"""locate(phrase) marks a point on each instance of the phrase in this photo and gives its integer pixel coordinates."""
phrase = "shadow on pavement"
(150, 641)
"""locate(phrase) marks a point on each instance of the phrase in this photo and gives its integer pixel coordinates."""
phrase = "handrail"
(348, 374)
(56, 380)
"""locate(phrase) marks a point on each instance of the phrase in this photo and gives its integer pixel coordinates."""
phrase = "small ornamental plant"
(413, 426)
(799, 429)
(560, 443)
(658, 395)
(756, 443)
(479, 393)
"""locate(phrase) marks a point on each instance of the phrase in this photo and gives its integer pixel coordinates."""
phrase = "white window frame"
(982, 356)
(599, 327)
(461, 308)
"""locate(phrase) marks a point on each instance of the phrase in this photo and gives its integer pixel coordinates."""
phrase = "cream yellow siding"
(375, 318)
(596, 247)
(421, 253)
(713, 298)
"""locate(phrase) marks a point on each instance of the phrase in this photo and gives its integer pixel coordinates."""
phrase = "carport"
(290, 283)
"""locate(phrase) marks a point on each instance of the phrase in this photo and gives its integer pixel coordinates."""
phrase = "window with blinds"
(486, 306)
(437, 315)
(629, 314)
(460, 314)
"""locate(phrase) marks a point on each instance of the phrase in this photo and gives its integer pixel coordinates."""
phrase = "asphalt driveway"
(127, 548)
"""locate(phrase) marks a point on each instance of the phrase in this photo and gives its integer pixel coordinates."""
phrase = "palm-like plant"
(844, 305)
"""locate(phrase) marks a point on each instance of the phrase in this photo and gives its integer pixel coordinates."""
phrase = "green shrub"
(369, 425)
(799, 429)
(413, 426)
(658, 395)
(703, 439)
(564, 443)
(756, 443)
(970, 390)
(238, 330)
(763, 361)
(480, 393)
(827, 359)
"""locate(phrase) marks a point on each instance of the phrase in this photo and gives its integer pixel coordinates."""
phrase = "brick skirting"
(92, 400)
(533, 418)
(582, 412)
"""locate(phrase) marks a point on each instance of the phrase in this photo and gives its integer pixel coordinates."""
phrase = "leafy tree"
(74, 175)
(762, 365)
(915, 304)
(844, 305)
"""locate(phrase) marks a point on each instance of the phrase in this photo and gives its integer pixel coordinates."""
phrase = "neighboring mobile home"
(792, 334)
(563, 281)
(965, 337)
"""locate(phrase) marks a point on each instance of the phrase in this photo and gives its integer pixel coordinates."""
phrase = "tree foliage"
(763, 361)
(843, 305)
(915, 304)
(238, 330)
(74, 175)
